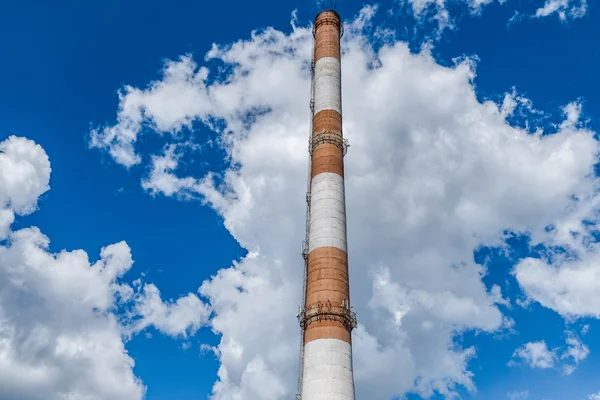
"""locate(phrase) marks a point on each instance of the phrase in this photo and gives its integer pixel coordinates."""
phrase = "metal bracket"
(328, 138)
(327, 312)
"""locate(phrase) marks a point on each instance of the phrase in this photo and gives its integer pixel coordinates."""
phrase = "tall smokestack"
(325, 318)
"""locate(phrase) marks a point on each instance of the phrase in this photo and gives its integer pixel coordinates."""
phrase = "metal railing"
(327, 312)
(328, 138)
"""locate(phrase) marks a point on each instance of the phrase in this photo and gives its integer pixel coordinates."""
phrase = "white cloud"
(566, 277)
(24, 176)
(137, 107)
(439, 10)
(58, 337)
(595, 396)
(182, 317)
(576, 351)
(568, 287)
(518, 395)
(7, 217)
(61, 333)
(431, 174)
(565, 9)
(536, 355)
(162, 179)
(250, 301)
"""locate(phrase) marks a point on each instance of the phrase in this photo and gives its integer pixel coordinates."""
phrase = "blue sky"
(460, 214)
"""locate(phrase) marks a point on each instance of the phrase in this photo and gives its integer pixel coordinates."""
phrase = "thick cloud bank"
(432, 173)
(61, 334)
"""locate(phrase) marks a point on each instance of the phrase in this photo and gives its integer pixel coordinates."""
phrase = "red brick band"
(327, 284)
(327, 30)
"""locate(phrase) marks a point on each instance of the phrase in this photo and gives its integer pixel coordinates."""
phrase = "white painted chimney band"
(328, 92)
(327, 370)
(327, 212)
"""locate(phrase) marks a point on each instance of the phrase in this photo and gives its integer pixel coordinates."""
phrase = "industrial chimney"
(325, 316)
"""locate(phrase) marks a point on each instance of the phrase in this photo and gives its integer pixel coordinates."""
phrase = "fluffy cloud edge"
(242, 198)
(65, 320)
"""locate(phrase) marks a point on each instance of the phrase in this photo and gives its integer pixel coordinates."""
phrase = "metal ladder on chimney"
(305, 244)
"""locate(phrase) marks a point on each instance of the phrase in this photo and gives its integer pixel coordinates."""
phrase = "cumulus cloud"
(162, 179)
(61, 331)
(536, 355)
(24, 176)
(182, 317)
(595, 396)
(432, 173)
(576, 352)
(566, 286)
(439, 10)
(565, 9)
(564, 278)
(139, 108)
(58, 338)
